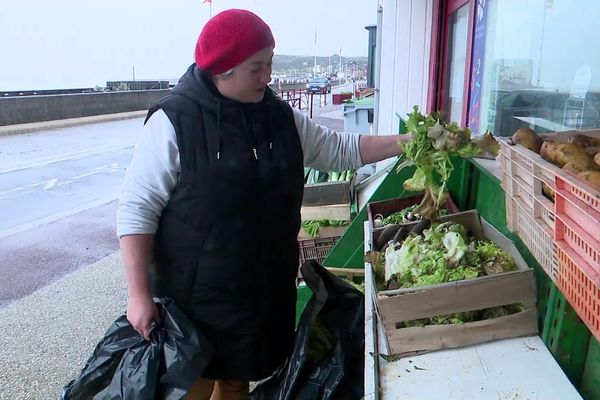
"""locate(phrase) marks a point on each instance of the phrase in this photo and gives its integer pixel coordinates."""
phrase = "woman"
(212, 200)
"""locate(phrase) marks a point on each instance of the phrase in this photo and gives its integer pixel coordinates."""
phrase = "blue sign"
(478, 47)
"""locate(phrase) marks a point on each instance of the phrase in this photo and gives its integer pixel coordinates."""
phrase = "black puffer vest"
(226, 249)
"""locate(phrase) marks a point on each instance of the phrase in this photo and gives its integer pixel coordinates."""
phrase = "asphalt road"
(32, 194)
(58, 191)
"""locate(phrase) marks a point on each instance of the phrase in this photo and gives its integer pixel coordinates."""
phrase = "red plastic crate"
(580, 203)
(579, 241)
(580, 190)
(574, 219)
(580, 285)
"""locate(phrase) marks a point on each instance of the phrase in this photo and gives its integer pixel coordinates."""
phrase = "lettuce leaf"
(455, 246)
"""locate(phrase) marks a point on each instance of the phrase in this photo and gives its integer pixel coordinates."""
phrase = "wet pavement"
(32, 259)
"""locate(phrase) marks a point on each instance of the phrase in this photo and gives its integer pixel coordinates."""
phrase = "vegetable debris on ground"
(433, 144)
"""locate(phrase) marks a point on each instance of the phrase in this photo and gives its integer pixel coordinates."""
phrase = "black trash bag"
(126, 366)
(327, 361)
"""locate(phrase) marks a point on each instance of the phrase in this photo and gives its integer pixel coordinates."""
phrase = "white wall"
(404, 67)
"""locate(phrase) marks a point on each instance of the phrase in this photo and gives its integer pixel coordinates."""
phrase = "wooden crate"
(386, 208)
(327, 200)
(397, 306)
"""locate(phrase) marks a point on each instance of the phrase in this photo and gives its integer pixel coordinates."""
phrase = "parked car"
(318, 85)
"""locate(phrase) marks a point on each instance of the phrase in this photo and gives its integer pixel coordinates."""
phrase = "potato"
(597, 159)
(527, 138)
(572, 168)
(590, 144)
(567, 153)
(591, 177)
(548, 191)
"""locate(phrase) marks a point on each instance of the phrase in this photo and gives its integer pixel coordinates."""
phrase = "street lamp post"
(315, 58)
(340, 68)
(346, 70)
(315, 64)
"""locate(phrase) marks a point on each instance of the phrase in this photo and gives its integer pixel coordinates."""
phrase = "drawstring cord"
(218, 128)
(247, 128)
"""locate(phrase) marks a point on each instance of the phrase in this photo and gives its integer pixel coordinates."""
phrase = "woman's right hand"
(141, 312)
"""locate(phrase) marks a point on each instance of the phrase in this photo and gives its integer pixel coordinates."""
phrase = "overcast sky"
(73, 43)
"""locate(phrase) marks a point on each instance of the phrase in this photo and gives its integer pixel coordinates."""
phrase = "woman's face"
(248, 81)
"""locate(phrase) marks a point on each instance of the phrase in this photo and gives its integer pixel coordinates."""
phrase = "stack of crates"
(316, 249)
(530, 211)
(564, 234)
(578, 243)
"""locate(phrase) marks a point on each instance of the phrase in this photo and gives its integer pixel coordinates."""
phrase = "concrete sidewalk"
(48, 336)
(330, 115)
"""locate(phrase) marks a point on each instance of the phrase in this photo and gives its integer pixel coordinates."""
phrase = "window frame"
(438, 70)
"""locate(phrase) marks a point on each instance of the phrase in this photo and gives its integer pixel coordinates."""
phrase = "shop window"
(538, 66)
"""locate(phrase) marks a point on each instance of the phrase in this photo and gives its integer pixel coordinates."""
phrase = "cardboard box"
(400, 305)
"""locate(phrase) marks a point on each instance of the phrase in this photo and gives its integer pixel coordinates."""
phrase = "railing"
(302, 99)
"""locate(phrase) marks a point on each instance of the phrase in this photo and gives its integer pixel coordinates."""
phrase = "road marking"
(64, 157)
(50, 184)
(37, 184)
(53, 183)
(55, 217)
(7, 194)
(86, 174)
(13, 190)
(67, 182)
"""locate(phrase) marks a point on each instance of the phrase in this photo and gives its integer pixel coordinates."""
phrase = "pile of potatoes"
(580, 156)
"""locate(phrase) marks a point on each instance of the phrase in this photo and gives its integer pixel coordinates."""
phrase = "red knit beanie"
(229, 38)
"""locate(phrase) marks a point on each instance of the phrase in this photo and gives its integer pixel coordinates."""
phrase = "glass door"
(455, 63)
(456, 49)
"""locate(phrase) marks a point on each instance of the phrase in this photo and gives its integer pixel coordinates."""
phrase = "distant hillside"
(302, 65)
